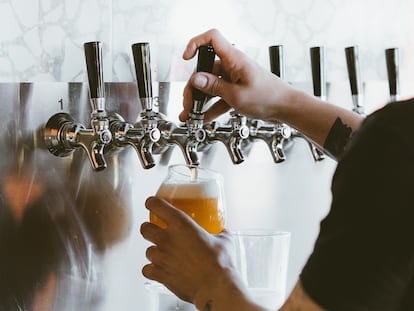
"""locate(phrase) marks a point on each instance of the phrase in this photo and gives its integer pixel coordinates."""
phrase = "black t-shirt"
(364, 256)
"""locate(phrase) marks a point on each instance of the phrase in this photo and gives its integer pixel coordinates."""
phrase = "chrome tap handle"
(318, 71)
(277, 65)
(94, 66)
(352, 61)
(392, 60)
(142, 60)
(205, 62)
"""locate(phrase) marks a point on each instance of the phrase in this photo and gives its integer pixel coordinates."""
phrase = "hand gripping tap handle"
(142, 60)
(205, 62)
(392, 60)
(318, 71)
(276, 61)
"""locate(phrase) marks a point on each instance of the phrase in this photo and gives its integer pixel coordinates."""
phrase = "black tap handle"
(94, 66)
(142, 60)
(352, 61)
(392, 59)
(205, 62)
(277, 65)
(318, 71)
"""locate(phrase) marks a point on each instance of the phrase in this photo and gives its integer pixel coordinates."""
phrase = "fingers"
(188, 94)
(157, 256)
(153, 233)
(212, 37)
(187, 102)
(154, 272)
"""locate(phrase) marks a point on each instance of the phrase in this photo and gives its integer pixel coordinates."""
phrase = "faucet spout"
(93, 143)
(232, 136)
(317, 153)
(275, 137)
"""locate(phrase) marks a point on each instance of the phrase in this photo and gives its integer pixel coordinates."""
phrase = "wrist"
(224, 292)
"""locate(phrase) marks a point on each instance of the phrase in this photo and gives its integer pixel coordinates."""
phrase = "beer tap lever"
(276, 58)
(318, 71)
(94, 143)
(195, 133)
(142, 61)
(352, 61)
(205, 62)
(392, 60)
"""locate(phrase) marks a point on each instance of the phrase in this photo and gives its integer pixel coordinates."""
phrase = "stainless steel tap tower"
(152, 134)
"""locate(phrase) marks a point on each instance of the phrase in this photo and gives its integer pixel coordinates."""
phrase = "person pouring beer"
(363, 258)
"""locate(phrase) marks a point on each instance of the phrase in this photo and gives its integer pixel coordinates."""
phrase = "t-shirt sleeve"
(363, 257)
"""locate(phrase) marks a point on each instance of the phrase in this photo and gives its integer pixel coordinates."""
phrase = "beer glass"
(199, 193)
(261, 258)
(196, 191)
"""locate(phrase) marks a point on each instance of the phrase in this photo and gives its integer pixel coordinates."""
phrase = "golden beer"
(198, 195)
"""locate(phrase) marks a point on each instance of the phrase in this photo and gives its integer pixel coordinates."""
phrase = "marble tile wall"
(41, 40)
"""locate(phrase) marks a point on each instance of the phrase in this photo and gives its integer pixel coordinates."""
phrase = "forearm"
(329, 126)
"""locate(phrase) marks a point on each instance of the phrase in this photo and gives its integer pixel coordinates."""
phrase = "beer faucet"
(62, 134)
(352, 61)
(231, 135)
(319, 90)
(192, 135)
(392, 60)
(144, 133)
(274, 135)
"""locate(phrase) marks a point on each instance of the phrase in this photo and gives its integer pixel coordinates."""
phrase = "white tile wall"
(41, 40)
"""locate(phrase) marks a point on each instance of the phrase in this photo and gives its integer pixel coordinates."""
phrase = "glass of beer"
(196, 191)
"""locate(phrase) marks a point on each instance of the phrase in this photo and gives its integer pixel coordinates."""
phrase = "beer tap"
(392, 59)
(192, 135)
(352, 61)
(62, 134)
(274, 135)
(144, 133)
(231, 135)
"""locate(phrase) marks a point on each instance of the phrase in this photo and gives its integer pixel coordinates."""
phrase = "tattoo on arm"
(208, 306)
(338, 138)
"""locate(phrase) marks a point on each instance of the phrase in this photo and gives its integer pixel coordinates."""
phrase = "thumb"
(209, 84)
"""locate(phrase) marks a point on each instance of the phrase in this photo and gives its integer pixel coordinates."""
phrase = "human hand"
(240, 82)
(185, 258)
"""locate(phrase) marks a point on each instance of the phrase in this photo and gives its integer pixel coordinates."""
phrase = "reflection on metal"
(58, 218)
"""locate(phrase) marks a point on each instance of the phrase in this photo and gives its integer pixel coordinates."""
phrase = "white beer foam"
(207, 189)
